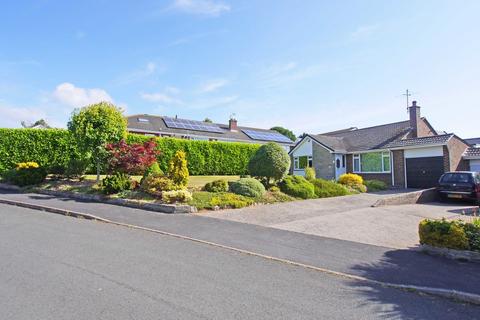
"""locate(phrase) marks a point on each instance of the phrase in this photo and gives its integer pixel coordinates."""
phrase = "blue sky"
(311, 66)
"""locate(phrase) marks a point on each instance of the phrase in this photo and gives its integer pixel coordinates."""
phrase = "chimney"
(232, 124)
(414, 112)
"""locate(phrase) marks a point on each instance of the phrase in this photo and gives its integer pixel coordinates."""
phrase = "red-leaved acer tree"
(133, 158)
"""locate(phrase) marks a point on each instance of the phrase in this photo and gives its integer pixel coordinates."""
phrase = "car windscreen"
(456, 178)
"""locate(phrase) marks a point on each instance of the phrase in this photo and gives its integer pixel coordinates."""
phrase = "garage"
(475, 165)
(423, 167)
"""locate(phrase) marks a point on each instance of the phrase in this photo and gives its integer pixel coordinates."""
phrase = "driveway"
(348, 218)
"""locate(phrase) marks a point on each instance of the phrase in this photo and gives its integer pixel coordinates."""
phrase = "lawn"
(194, 182)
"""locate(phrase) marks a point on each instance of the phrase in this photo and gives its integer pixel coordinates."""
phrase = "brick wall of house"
(452, 155)
(424, 129)
(399, 168)
(323, 162)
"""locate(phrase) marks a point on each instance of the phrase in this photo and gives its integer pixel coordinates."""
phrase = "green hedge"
(55, 147)
(49, 147)
(204, 157)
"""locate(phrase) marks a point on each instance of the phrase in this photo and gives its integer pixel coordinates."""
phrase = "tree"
(208, 120)
(287, 133)
(96, 125)
(270, 161)
(39, 124)
(133, 158)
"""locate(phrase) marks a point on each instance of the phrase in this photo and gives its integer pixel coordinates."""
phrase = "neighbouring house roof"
(422, 141)
(472, 152)
(145, 123)
(352, 139)
(472, 141)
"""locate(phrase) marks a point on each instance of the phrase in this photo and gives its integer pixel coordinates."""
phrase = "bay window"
(373, 162)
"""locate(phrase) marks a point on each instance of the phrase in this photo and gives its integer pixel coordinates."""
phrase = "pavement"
(348, 218)
(397, 266)
(57, 267)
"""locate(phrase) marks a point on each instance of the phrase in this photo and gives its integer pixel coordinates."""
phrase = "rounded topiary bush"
(297, 186)
(249, 187)
(270, 161)
(375, 185)
(325, 188)
(220, 185)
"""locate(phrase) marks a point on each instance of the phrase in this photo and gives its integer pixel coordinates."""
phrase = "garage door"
(424, 172)
(475, 165)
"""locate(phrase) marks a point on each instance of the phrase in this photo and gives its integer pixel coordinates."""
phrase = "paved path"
(56, 267)
(374, 262)
(349, 218)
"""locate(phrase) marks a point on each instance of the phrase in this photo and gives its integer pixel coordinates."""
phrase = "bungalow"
(200, 130)
(406, 154)
(472, 154)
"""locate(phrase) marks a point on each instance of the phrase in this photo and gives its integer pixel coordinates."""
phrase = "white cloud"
(69, 95)
(213, 85)
(201, 7)
(160, 97)
(138, 74)
(13, 116)
(363, 32)
(277, 75)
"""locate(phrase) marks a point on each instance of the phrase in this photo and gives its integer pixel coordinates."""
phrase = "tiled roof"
(472, 141)
(365, 138)
(155, 124)
(440, 139)
(472, 152)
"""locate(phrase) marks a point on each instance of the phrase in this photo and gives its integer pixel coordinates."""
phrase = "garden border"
(156, 207)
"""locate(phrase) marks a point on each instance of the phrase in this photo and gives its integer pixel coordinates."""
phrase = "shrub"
(201, 199)
(310, 174)
(350, 179)
(325, 188)
(249, 187)
(297, 186)
(76, 168)
(274, 189)
(230, 200)
(442, 233)
(116, 183)
(154, 169)
(359, 188)
(26, 173)
(217, 186)
(270, 161)
(375, 185)
(176, 196)
(275, 195)
(132, 158)
(472, 231)
(156, 183)
(177, 169)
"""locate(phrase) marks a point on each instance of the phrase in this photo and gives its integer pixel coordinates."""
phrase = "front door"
(340, 165)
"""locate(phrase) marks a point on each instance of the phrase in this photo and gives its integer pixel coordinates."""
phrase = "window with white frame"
(302, 162)
(372, 162)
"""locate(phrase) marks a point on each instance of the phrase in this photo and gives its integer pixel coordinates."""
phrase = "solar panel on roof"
(266, 136)
(191, 125)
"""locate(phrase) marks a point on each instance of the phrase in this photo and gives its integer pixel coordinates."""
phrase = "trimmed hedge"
(53, 148)
(50, 148)
(204, 157)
